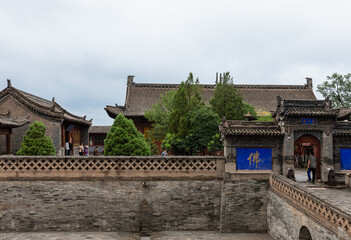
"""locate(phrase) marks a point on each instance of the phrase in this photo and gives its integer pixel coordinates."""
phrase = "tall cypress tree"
(227, 101)
(125, 140)
(187, 97)
(35, 143)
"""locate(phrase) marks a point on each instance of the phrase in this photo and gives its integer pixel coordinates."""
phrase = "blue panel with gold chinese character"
(308, 121)
(345, 158)
(254, 158)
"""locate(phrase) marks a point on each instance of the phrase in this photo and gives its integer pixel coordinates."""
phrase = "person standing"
(311, 165)
(96, 152)
(86, 150)
(164, 153)
(70, 147)
(68, 150)
(81, 149)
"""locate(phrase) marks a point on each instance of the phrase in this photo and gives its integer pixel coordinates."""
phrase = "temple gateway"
(300, 127)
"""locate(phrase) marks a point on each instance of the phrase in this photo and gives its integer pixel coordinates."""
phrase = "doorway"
(303, 146)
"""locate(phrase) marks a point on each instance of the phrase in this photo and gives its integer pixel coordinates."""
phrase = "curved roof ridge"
(34, 106)
(241, 86)
(41, 105)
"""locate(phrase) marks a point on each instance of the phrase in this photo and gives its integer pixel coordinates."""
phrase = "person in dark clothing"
(311, 165)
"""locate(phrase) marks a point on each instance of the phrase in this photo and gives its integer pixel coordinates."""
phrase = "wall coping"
(114, 167)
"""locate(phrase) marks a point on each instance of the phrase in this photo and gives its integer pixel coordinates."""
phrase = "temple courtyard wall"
(129, 194)
(128, 205)
(156, 194)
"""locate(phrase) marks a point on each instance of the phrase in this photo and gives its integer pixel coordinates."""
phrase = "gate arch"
(304, 234)
(306, 143)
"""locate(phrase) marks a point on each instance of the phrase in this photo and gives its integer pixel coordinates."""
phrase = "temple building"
(7, 123)
(301, 127)
(141, 96)
(61, 125)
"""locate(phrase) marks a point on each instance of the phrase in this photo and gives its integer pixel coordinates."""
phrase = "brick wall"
(244, 203)
(53, 127)
(107, 205)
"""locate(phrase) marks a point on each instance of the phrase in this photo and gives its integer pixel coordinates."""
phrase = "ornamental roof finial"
(9, 83)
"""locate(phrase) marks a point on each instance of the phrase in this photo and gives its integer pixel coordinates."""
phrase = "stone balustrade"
(102, 166)
(334, 219)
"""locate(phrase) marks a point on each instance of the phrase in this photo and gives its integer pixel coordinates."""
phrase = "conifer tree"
(227, 101)
(35, 143)
(187, 97)
(125, 140)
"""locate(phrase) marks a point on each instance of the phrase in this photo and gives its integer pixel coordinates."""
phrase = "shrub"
(35, 143)
(125, 140)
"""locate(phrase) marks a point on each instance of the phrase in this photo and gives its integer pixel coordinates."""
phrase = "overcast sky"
(82, 51)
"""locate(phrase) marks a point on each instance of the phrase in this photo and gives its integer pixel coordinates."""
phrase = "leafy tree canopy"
(203, 128)
(204, 124)
(338, 89)
(187, 97)
(227, 101)
(35, 143)
(125, 140)
(159, 115)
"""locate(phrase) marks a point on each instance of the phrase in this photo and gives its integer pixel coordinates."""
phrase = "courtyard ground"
(188, 235)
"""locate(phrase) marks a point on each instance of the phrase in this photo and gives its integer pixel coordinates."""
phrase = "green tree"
(159, 115)
(203, 128)
(227, 101)
(125, 140)
(35, 143)
(187, 97)
(338, 89)
(204, 124)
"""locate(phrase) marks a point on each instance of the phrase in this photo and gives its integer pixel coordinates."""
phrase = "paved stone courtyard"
(336, 196)
(188, 235)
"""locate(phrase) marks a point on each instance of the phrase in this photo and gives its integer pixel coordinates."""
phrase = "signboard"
(254, 158)
(345, 158)
(308, 121)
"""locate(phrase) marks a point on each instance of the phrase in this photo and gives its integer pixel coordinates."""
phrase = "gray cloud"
(81, 51)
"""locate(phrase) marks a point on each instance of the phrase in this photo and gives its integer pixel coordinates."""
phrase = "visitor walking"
(311, 165)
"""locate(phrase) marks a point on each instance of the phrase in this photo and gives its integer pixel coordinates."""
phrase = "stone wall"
(244, 203)
(109, 205)
(53, 127)
(285, 221)
(293, 208)
(117, 193)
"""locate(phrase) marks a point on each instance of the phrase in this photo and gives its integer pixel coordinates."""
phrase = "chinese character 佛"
(254, 158)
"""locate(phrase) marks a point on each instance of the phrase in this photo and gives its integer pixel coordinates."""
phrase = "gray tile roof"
(7, 121)
(42, 106)
(141, 96)
(232, 127)
(99, 129)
